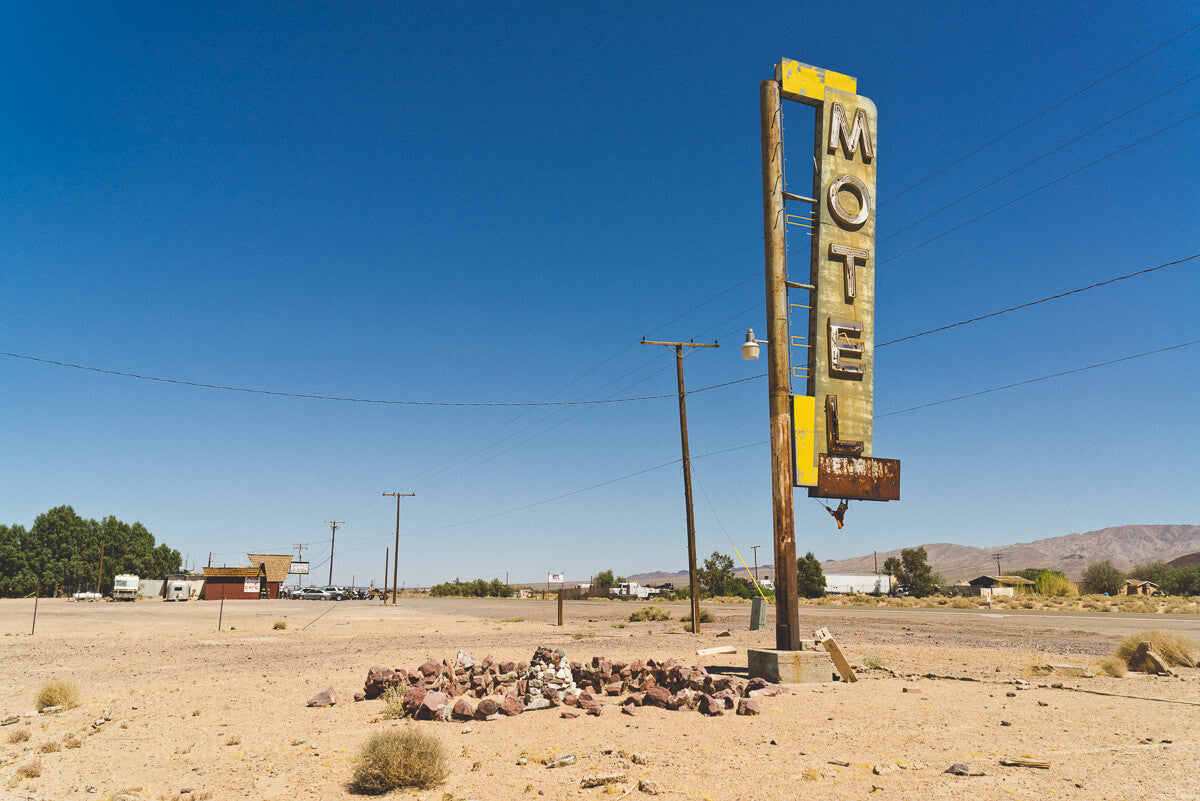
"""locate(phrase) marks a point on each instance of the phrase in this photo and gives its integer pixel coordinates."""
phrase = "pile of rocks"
(442, 691)
(550, 679)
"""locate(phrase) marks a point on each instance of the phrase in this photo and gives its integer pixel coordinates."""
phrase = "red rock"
(360, 696)
(511, 706)
(627, 709)
(588, 704)
(431, 706)
(613, 689)
(656, 696)
(487, 707)
(430, 668)
(596, 711)
(508, 667)
(726, 697)
(710, 706)
(463, 710)
(748, 706)
(414, 696)
(568, 715)
(571, 700)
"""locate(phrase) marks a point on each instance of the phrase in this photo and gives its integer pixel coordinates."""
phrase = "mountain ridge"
(1126, 546)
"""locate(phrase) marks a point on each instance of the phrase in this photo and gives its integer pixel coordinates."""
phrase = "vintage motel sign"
(833, 421)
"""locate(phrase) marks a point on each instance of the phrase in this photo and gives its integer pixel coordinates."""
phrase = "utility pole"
(396, 560)
(333, 524)
(755, 549)
(387, 554)
(997, 557)
(787, 605)
(100, 575)
(687, 474)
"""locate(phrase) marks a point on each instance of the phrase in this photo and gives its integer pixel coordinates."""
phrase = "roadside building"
(1000, 586)
(1135, 587)
(261, 579)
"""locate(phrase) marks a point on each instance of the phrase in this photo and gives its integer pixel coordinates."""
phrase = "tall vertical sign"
(841, 323)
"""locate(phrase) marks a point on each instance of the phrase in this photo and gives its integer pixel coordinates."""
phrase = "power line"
(1036, 302)
(767, 442)
(1038, 189)
(1047, 154)
(324, 397)
(1040, 114)
(1039, 378)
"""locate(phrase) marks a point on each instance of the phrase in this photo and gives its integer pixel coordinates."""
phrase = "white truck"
(125, 587)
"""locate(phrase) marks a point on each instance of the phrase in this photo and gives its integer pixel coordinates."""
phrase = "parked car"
(335, 593)
(312, 594)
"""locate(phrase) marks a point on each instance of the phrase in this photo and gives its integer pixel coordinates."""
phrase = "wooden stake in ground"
(825, 638)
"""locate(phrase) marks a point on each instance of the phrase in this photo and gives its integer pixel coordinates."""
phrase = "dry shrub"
(30, 770)
(649, 613)
(72, 740)
(1170, 645)
(18, 735)
(961, 603)
(705, 617)
(393, 703)
(50, 747)
(393, 759)
(57, 693)
(280, 624)
(1111, 666)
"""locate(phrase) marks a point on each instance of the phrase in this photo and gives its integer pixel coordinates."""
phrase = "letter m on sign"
(859, 134)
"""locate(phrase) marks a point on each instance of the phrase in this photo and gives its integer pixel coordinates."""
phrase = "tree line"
(60, 554)
(479, 588)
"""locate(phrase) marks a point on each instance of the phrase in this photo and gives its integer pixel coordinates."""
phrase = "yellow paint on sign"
(804, 432)
(804, 82)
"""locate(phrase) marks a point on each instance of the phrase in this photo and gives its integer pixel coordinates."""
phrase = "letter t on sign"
(851, 255)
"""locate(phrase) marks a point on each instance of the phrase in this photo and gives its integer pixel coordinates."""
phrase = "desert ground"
(201, 713)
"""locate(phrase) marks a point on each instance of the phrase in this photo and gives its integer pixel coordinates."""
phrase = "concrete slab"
(790, 667)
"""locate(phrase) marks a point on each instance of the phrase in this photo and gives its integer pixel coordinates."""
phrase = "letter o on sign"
(851, 184)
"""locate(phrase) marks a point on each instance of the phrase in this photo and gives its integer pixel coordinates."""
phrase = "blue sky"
(483, 203)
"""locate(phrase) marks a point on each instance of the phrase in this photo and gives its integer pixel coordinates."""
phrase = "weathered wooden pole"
(693, 577)
(560, 606)
(787, 608)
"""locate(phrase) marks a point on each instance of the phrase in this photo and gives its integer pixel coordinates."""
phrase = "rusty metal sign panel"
(857, 478)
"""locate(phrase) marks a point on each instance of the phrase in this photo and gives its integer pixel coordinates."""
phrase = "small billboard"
(554, 578)
(250, 585)
(298, 569)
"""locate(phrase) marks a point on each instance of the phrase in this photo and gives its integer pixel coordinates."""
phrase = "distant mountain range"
(1125, 546)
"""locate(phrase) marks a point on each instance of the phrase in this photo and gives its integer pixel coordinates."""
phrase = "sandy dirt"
(222, 714)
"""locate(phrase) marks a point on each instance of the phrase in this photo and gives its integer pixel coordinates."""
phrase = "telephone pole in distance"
(396, 558)
(333, 524)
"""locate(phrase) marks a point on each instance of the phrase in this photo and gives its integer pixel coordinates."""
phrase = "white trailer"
(125, 587)
(850, 583)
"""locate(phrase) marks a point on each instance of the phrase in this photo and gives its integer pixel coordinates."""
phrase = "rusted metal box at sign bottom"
(790, 667)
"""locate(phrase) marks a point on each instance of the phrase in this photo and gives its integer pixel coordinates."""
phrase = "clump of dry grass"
(57, 693)
(1111, 666)
(72, 740)
(649, 613)
(50, 747)
(1170, 645)
(394, 759)
(393, 703)
(705, 617)
(30, 770)
(280, 624)
(18, 735)
(233, 740)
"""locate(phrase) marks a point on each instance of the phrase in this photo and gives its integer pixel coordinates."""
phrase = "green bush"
(394, 759)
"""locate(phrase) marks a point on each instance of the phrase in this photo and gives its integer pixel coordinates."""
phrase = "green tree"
(912, 572)
(604, 580)
(810, 578)
(716, 577)
(1046, 582)
(1102, 578)
(61, 553)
